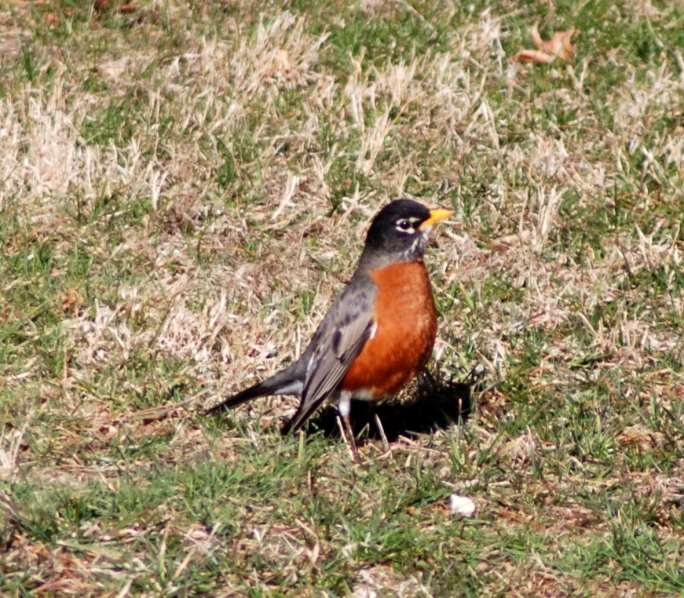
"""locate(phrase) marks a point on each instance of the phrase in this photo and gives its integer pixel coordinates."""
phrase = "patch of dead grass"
(221, 216)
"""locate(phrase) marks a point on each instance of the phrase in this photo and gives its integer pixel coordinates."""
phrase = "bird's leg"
(344, 407)
(378, 423)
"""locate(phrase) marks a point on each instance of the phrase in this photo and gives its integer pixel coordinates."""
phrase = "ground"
(185, 186)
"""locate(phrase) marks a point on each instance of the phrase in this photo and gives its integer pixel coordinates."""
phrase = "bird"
(379, 332)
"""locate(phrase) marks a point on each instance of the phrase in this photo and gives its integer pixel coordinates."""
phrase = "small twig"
(157, 413)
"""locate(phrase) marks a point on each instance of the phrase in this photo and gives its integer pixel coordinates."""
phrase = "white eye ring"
(405, 225)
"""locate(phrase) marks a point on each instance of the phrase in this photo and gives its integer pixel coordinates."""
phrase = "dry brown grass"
(183, 190)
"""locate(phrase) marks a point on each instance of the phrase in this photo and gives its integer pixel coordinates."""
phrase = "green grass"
(183, 190)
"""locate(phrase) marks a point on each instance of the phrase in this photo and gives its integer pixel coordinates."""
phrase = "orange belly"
(406, 329)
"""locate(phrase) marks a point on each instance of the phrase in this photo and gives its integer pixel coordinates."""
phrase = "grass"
(183, 189)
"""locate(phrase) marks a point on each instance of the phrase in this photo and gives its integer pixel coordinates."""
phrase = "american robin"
(379, 332)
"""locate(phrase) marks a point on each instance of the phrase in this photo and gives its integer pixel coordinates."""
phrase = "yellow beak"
(435, 216)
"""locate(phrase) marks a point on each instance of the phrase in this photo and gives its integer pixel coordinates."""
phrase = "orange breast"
(406, 328)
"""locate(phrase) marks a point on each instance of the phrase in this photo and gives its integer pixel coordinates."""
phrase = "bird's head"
(401, 230)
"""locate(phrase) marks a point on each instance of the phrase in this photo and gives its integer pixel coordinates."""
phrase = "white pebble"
(461, 505)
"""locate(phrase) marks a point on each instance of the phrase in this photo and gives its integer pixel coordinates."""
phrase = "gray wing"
(337, 342)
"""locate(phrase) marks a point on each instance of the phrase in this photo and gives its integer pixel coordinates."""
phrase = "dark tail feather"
(286, 382)
(253, 392)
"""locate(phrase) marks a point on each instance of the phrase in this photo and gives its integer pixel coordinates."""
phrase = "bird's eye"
(405, 225)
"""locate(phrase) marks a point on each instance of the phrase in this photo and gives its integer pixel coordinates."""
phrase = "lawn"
(185, 186)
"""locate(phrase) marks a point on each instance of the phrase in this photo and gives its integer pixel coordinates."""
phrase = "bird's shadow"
(433, 403)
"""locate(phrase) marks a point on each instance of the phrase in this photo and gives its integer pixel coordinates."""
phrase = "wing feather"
(337, 342)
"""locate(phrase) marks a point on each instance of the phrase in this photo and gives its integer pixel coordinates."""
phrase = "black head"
(401, 229)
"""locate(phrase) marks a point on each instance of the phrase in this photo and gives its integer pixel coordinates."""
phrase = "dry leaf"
(124, 8)
(642, 437)
(535, 56)
(71, 300)
(51, 19)
(559, 46)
